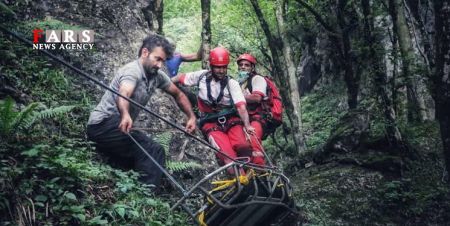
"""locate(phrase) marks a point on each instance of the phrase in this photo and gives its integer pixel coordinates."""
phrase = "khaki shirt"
(132, 73)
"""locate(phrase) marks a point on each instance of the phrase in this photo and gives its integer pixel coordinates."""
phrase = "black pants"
(122, 150)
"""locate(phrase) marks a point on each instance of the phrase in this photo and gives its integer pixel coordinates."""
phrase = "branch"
(206, 31)
(263, 22)
(413, 26)
(318, 17)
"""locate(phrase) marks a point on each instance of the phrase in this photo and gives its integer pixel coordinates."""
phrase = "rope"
(248, 138)
(263, 151)
(158, 165)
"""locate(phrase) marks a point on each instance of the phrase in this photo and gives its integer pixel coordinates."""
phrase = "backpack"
(273, 106)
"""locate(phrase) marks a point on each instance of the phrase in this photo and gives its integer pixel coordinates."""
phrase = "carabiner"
(222, 120)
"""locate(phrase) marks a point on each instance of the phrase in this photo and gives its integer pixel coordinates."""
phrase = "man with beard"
(112, 119)
(224, 118)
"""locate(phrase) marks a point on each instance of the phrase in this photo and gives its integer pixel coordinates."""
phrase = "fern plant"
(13, 122)
(176, 166)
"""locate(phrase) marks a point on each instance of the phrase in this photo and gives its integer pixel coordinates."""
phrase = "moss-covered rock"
(346, 137)
(335, 194)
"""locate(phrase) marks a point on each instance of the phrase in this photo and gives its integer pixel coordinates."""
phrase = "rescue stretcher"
(263, 196)
(258, 198)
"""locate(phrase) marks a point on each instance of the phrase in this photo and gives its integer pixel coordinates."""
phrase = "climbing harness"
(260, 196)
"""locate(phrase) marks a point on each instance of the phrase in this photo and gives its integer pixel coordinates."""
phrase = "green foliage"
(338, 195)
(42, 81)
(320, 114)
(175, 8)
(174, 166)
(164, 140)
(182, 166)
(424, 135)
(50, 23)
(186, 35)
(414, 200)
(66, 186)
(5, 10)
(13, 122)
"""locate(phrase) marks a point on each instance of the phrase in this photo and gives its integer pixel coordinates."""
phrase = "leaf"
(152, 202)
(55, 179)
(80, 217)
(97, 220)
(32, 152)
(41, 198)
(134, 213)
(120, 211)
(181, 166)
(70, 196)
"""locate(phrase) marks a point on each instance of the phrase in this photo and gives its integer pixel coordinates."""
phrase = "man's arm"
(176, 79)
(184, 105)
(190, 57)
(123, 105)
(242, 111)
(259, 86)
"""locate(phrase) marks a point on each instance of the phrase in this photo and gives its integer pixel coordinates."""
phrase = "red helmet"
(219, 56)
(247, 57)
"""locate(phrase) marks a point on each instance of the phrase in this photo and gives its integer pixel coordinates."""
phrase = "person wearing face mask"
(254, 88)
(224, 118)
(112, 119)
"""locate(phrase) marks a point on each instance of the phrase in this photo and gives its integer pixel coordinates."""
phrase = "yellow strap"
(244, 180)
(264, 175)
(223, 184)
(201, 219)
(227, 183)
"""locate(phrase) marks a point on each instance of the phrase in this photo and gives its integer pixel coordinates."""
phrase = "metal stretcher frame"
(268, 191)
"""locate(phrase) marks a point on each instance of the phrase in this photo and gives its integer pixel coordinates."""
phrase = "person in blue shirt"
(173, 64)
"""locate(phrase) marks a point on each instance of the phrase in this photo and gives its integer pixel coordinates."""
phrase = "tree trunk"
(290, 72)
(375, 59)
(441, 78)
(341, 37)
(416, 104)
(278, 74)
(154, 20)
(206, 31)
(393, 82)
(421, 21)
(351, 79)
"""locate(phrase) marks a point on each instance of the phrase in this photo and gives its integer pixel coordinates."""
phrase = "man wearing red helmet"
(224, 118)
(254, 87)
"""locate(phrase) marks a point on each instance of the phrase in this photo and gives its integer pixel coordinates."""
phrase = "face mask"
(243, 76)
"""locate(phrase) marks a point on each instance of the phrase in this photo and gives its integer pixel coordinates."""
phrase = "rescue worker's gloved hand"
(242, 76)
